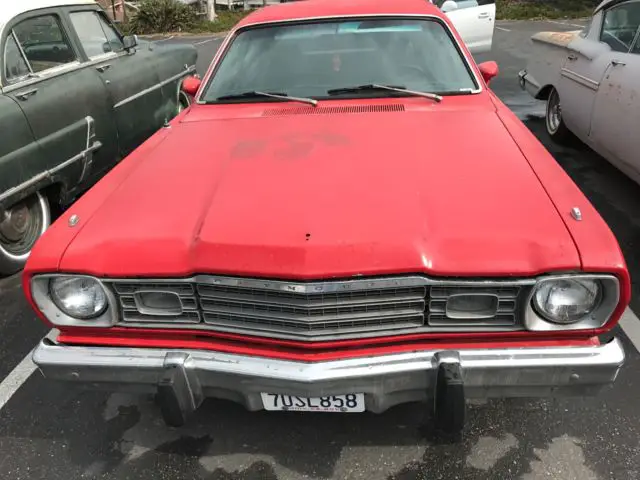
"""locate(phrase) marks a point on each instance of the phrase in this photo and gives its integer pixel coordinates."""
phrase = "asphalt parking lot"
(48, 431)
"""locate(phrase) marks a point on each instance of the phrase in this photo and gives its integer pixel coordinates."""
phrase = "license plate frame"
(344, 403)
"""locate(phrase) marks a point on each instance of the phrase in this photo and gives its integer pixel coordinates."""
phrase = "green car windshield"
(317, 60)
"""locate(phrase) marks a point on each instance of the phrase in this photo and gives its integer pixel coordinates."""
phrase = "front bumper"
(387, 380)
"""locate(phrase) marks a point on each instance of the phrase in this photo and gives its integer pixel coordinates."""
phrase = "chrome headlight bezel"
(40, 291)
(597, 317)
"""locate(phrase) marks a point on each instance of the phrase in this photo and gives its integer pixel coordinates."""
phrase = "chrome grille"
(312, 314)
(318, 311)
(505, 315)
(131, 312)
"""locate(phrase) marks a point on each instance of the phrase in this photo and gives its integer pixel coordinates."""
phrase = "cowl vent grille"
(276, 112)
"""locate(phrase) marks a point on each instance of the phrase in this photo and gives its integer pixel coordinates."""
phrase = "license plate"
(350, 403)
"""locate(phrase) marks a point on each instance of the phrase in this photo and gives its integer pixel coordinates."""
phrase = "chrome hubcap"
(554, 112)
(20, 227)
(15, 223)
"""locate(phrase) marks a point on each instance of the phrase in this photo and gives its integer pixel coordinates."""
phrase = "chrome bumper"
(386, 380)
(528, 84)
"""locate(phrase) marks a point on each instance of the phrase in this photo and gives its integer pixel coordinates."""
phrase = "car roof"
(308, 9)
(11, 8)
(608, 3)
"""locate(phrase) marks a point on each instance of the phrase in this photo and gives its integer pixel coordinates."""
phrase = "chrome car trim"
(44, 302)
(83, 155)
(596, 319)
(326, 286)
(44, 75)
(468, 58)
(386, 380)
(581, 79)
(576, 213)
(224, 318)
(155, 87)
(325, 310)
(57, 71)
(22, 52)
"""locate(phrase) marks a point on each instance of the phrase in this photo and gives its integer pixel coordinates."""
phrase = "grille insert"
(312, 314)
(503, 315)
(133, 312)
(325, 310)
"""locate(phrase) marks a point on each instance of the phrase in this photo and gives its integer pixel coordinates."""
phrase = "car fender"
(20, 155)
(173, 63)
(550, 51)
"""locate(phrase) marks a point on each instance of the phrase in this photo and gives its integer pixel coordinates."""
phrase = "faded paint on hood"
(561, 39)
(438, 188)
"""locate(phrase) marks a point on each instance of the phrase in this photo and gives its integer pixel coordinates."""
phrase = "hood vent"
(391, 107)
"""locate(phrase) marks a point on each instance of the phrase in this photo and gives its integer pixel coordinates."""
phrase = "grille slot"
(505, 314)
(324, 310)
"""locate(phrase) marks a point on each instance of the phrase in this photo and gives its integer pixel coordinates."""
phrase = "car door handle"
(26, 95)
(483, 15)
(103, 68)
(617, 63)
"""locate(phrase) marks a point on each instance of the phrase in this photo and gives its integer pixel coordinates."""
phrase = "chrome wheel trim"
(13, 230)
(554, 112)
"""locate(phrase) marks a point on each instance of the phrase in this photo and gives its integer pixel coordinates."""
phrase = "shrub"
(225, 21)
(159, 16)
(531, 9)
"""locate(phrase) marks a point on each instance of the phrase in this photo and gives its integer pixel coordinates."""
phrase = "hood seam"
(555, 206)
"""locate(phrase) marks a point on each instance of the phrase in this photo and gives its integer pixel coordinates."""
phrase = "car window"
(584, 33)
(96, 35)
(636, 46)
(312, 58)
(460, 4)
(620, 26)
(44, 42)
(15, 66)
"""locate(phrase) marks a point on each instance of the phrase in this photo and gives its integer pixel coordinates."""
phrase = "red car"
(346, 219)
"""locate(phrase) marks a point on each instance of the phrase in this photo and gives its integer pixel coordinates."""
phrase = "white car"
(591, 82)
(474, 19)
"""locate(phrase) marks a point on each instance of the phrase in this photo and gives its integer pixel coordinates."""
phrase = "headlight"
(79, 297)
(567, 300)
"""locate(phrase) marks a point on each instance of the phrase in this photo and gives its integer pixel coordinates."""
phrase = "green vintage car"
(76, 97)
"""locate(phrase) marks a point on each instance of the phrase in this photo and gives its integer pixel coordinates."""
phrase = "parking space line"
(565, 23)
(165, 39)
(205, 41)
(19, 375)
(503, 29)
(630, 324)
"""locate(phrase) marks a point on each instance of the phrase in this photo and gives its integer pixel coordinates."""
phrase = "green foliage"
(159, 16)
(538, 9)
(171, 16)
(225, 21)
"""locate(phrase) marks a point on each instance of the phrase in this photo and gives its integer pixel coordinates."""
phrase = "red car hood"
(437, 189)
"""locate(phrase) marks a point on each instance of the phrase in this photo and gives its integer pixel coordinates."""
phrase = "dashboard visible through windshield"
(328, 59)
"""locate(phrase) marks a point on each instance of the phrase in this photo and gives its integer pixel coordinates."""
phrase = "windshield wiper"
(279, 95)
(393, 88)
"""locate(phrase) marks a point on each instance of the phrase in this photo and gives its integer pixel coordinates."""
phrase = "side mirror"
(449, 6)
(130, 41)
(191, 85)
(489, 70)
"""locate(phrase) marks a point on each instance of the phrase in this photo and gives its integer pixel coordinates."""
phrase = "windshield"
(313, 60)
